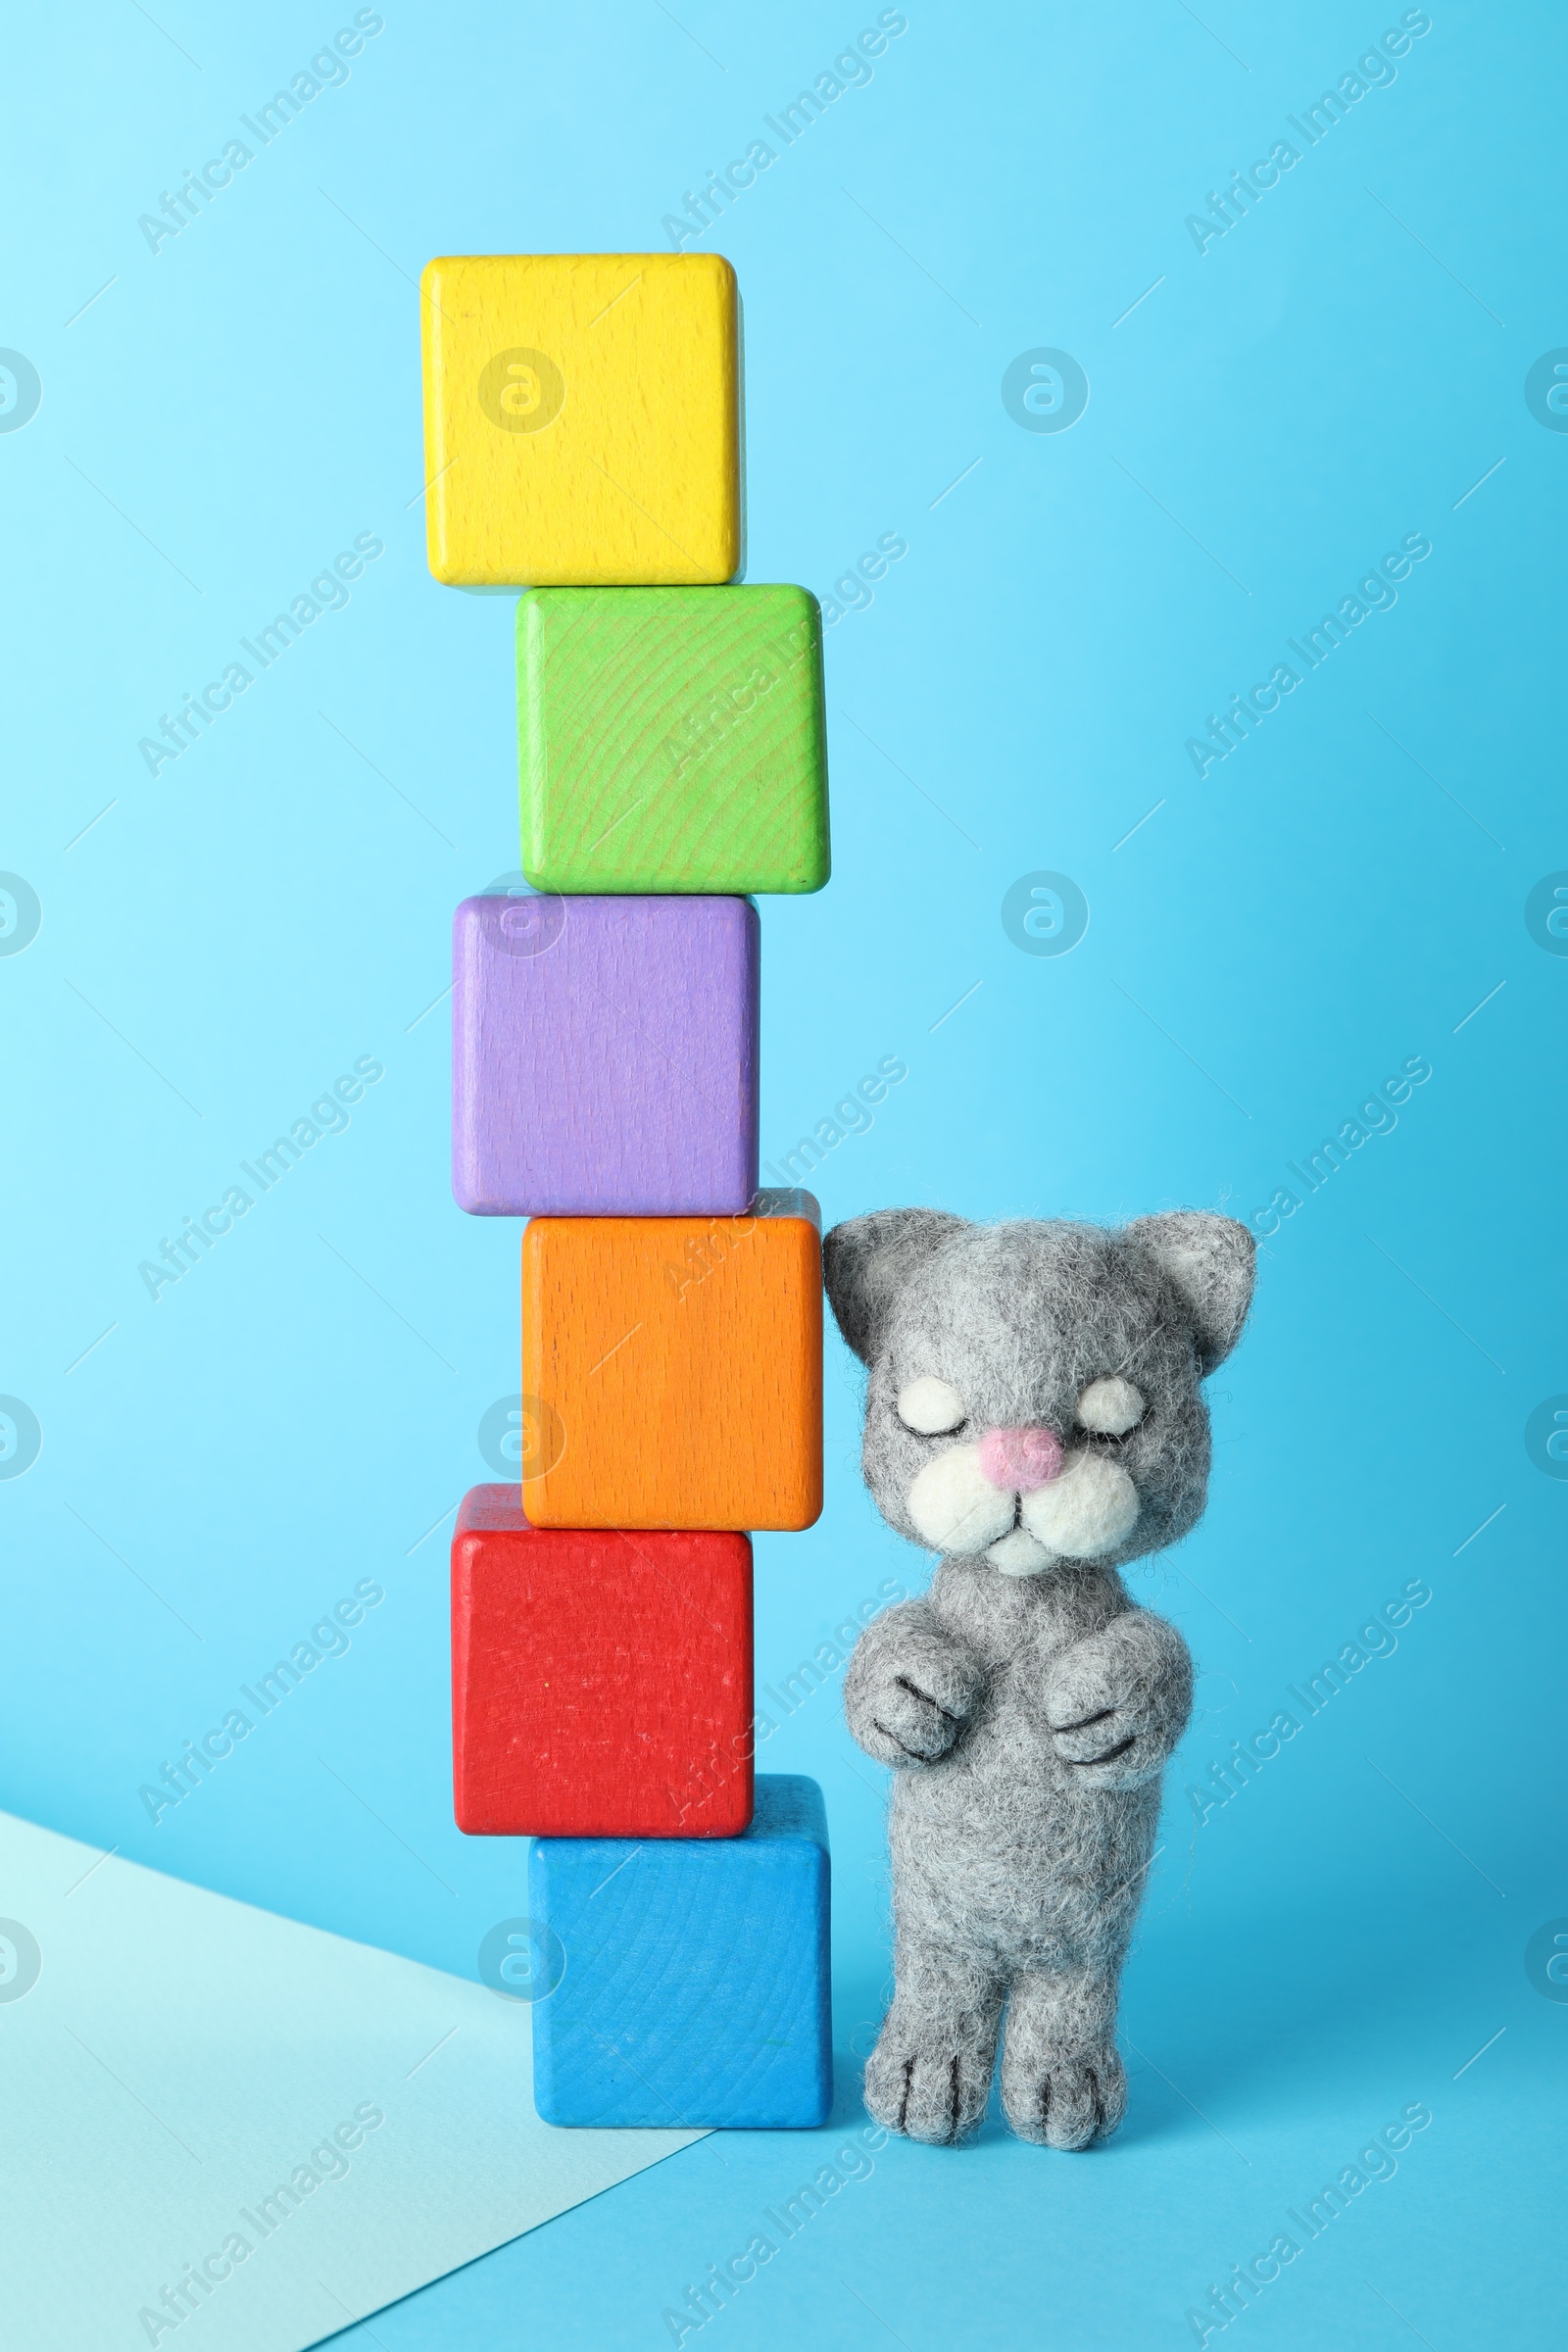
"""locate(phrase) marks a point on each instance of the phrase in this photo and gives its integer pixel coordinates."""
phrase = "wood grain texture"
(604, 1056)
(673, 739)
(694, 1984)
(581, 418)
(683, 1356)
(601, 1681)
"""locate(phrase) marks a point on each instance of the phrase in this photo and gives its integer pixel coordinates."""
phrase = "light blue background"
(300, 1410)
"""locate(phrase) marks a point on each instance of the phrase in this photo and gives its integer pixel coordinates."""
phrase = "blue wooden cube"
(695, 1987)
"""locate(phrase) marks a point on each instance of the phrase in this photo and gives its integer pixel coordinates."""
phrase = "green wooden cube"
(673, 739)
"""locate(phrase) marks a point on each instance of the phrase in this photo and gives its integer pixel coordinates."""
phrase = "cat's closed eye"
(1112, 1408)
(931, 1407)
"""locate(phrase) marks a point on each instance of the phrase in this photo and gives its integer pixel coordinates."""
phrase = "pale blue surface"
(1344, 367)
(310, 2127)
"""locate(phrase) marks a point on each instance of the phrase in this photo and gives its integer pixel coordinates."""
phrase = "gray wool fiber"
(1025, 1703)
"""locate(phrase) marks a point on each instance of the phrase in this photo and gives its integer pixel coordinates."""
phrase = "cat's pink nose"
(1017, 1460)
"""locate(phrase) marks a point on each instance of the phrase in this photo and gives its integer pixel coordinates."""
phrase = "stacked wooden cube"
(583, 442)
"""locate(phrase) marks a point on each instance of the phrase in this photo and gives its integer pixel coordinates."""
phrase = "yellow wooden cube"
(582, 420)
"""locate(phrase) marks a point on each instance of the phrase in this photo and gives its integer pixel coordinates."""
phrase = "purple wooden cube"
(604, 1057)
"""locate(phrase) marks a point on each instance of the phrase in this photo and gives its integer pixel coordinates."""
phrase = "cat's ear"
(866, 1262)
(1209, 1262)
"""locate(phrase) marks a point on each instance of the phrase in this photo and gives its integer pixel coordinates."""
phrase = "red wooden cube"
(601, 1681)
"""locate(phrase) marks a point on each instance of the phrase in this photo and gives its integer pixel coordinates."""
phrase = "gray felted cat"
(1035, 1415)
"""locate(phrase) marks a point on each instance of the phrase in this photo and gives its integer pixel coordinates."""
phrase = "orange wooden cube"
(682, 1360)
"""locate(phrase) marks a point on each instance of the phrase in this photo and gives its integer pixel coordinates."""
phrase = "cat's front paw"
(1117, 1703)
(1112, 1746)
(909, 1694)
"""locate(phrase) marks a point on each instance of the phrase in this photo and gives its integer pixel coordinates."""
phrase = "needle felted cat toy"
(1035, 1414)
